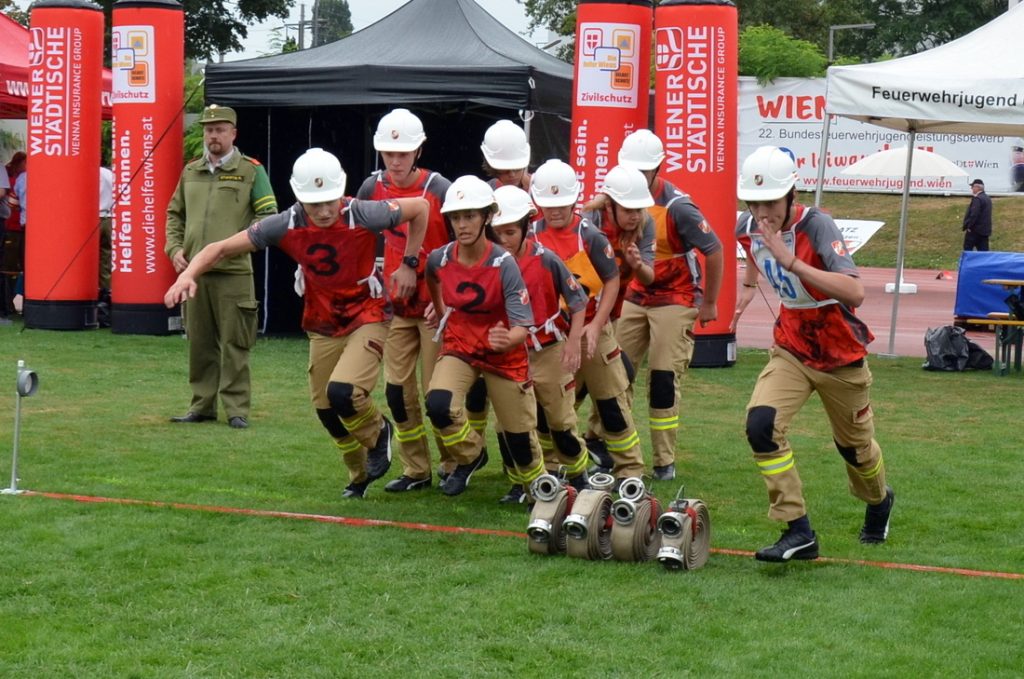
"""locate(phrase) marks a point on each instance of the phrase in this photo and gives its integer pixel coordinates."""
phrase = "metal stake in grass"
(27, 384)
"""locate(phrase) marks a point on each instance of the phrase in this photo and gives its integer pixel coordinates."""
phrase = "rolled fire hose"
(588, 527)
(635, 528)
(636, 540)
(685, 535)
(544, 534)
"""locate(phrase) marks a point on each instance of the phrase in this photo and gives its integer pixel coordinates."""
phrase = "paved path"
(931, 307)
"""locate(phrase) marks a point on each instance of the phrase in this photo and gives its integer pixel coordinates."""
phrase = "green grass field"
(101, 590)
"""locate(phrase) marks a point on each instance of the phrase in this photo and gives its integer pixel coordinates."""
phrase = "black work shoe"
(665, 473)
(355, 491)
(238, 422)
(790, 546)
(192, 418)
(457, 482)
(378, 458)
(599, 456)
(515, 495)
(876, 520)
(405, 483)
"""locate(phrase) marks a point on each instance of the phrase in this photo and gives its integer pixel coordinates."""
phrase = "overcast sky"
(366, 12)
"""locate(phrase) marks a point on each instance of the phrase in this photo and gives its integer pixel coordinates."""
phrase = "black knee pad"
(542, 420)
(506, 454)
(611, 415)
(439, 408)
(331, 423)
(476, 397)
(663, 389)
(849, 453)
(760, 425)
(630, 368)
(519, 448)
(567, 443)
(340, 395)
(394, 395)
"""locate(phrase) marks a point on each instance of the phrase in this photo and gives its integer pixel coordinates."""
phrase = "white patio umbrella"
(901, 163)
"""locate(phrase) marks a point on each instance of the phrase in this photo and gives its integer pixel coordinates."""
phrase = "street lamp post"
(832, 32)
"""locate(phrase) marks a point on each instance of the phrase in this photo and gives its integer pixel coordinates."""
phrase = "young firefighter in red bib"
(621, 214)
(589, 256)
(483, 313)
(820, 345)
(506, 155)
(399, 140)
(345, 314)
(559, 307)
(657, 318)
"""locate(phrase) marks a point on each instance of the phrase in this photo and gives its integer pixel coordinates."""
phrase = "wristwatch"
(411, 261)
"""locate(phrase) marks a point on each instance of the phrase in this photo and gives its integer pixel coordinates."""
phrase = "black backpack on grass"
(949, 349)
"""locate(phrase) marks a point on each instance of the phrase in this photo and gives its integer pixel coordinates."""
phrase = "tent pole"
(821, 159)
(901, 243)
(266, 251)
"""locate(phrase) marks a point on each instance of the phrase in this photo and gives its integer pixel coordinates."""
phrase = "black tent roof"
(427, 51)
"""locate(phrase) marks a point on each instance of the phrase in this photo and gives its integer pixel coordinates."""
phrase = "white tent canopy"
(972, 85)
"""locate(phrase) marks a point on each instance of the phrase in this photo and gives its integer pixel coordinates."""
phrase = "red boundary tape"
(408, 525)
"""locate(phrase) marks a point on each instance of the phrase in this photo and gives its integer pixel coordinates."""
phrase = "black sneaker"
(515, 495)
(790, 546)
(876, 520)
(442, 474)
(665, 473)
(355, 490)
(405, 483)
(378, 458)
(599, 456)
(457, 482)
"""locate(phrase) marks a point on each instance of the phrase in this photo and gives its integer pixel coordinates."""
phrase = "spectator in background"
(106, 218)
(5, 209)
(13, 168)
(978, 220)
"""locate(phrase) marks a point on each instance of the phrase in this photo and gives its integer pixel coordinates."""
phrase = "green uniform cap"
(218, 114)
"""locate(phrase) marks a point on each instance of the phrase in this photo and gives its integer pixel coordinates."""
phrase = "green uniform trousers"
(221, 326)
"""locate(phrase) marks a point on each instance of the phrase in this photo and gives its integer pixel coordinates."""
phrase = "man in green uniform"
(218, 195)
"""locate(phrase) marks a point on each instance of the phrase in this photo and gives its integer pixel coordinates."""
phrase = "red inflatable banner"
(611, 84)
(147, 41)
(695, 116)
(62, 201)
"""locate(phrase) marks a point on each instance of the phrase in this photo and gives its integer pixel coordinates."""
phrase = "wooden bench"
(1009, 340)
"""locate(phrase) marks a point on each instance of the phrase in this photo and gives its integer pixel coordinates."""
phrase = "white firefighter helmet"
(627, 186)
(513, 205)
(399, 130)
(767, 174)
(468, 193)
(642, 150)
(554, 184)
(317, 177)
(505, 146)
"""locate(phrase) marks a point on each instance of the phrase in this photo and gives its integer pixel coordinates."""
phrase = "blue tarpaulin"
(975, 299)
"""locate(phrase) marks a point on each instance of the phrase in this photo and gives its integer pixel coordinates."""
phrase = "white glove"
(373, 282)
(300, 282)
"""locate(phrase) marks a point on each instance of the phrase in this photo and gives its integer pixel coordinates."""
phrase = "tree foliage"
(901, 26)
(768, 53)
(10, 9)
(335, 21)
(215, 26)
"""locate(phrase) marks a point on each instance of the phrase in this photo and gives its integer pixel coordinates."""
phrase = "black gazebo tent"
(449, 61)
